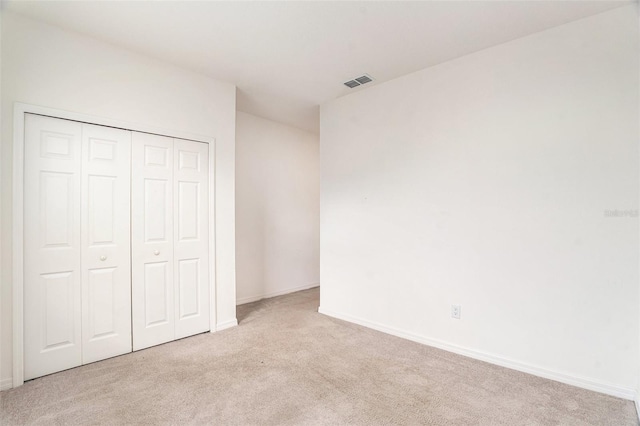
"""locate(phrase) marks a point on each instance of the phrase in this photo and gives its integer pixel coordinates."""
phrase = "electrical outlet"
(455, 311)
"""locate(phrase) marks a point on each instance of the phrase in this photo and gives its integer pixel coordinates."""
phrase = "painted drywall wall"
(277, 208)
(506, 182)
(5, 381)
(46, 66)
(637, 399)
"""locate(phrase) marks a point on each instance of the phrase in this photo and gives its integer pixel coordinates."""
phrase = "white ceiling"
(286, 58)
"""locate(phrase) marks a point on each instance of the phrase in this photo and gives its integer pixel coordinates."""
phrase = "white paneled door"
(191, 237)
(170, 228)
(116, 232)
(52, 271)
(152, 240)
(106, 242)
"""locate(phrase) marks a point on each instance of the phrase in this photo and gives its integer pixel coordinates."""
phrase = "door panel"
(106, 255)
(152, 240)
(157, 196)
(188, 202)
(56, 201)
(102, 305)
(191, 230)
(157, 290)
(102, 198)
(52, 269)
(58, 321)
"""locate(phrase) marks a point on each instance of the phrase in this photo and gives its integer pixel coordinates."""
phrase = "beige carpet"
(287, 364)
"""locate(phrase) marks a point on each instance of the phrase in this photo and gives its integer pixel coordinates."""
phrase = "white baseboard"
(6, 384)
(581, 382)
(244, 300)
(226, 324)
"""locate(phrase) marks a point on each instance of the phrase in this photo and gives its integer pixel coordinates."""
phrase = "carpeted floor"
(286, 364)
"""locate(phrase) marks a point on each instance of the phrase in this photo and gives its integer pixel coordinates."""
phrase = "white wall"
(637, 399)
(484, 182)
(277, 208)
(46, 66)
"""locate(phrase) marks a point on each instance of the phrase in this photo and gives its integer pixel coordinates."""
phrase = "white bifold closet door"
(77, 284)
(169, 229)
(106, 242)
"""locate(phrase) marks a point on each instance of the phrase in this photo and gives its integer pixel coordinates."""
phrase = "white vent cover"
(358, 81)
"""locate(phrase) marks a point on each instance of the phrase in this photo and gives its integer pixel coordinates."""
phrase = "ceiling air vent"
(358, 81)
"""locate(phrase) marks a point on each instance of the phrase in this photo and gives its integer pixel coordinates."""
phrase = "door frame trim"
(19, 111)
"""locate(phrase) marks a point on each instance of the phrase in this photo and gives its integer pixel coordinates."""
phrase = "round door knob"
(157, 252)
(103, 258)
